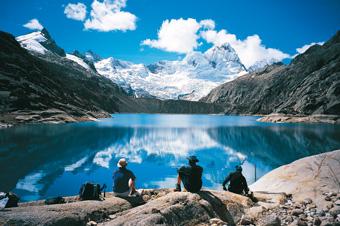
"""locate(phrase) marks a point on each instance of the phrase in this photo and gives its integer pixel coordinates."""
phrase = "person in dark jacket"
(190, 176)
(123, 180)
(237, 182)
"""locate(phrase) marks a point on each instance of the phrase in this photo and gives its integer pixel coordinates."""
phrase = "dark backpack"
(90, 191)
(12, 200)
(55, 200)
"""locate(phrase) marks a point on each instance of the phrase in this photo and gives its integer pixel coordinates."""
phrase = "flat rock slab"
(75, 213)
(308, 177)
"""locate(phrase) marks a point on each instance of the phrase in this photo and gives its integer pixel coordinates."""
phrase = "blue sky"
(281, 25)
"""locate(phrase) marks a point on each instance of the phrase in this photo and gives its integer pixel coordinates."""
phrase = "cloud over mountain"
(108, 16)
(183, 35)
(75, 11)
(250, 50)
(176, 35)
(33, 24)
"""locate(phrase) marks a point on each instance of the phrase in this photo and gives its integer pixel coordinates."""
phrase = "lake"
(46, 160)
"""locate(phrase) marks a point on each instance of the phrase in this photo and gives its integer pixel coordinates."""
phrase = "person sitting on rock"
(191, 176)
(237, 182)
(123, 180)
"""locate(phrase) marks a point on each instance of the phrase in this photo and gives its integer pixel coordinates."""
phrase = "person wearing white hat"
(123, 180)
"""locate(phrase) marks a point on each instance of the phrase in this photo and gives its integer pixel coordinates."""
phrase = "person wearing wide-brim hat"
(123, 180)
(190, 176)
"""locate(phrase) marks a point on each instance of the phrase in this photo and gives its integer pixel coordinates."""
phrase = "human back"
(121, 178)
(190, 176)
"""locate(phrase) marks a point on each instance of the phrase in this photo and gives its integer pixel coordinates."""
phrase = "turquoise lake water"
(45, 160)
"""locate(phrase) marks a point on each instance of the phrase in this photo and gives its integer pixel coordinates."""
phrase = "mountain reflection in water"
(39, 161)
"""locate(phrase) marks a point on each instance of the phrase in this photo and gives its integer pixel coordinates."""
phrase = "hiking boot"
(178, 187)
(134, 193)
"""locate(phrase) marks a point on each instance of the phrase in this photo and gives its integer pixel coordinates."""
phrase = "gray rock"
(297, 212)
(308, 201)
(91, 223)
(289, 219)
(217, 222)
(302, 223)
(271, 220)
(246, 220)
(317, 221)
(327, 221)
(335, 211)
(337, 202)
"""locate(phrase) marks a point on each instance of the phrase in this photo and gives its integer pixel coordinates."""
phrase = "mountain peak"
(40, 42)
(92, 56)
(223, 56)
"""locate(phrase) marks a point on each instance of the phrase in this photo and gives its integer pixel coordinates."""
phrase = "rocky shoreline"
(287, 118)
(53, 116)
(283, 199)
(57, 116)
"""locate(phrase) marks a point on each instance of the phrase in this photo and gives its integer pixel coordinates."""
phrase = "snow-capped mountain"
(42, 44)
(190, 78)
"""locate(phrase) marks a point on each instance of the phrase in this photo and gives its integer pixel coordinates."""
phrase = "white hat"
(122, 162)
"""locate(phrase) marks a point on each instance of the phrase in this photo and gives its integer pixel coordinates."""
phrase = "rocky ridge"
(309, 85)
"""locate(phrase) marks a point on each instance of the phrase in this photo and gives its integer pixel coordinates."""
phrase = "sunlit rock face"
(55, 160)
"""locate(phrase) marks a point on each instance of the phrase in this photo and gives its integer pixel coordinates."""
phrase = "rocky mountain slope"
(49, 85)
(207, 207)
(310, 84)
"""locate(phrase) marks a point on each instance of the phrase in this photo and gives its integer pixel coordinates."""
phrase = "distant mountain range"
(46, 84)
(310, 84)
(190, 79)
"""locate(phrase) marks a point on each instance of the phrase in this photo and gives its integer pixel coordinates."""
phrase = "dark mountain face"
(310, 84)
(35, 89)
(50, 44)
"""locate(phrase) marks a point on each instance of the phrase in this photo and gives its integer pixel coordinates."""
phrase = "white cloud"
(249, 50)
(178, 35)
(75, 11)
(33, 24)
(208, 24)
(182, 36)
(107, 16)
(305, 47)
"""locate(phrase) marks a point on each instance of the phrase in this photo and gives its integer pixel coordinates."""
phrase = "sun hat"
(122, 162)
(193, 158)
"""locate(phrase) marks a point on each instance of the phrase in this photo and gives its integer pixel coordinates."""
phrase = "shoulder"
(183, 168)
(129, 172)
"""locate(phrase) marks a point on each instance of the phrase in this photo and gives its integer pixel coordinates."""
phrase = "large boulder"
(309, 177)
(74, 213)
(176, 208)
